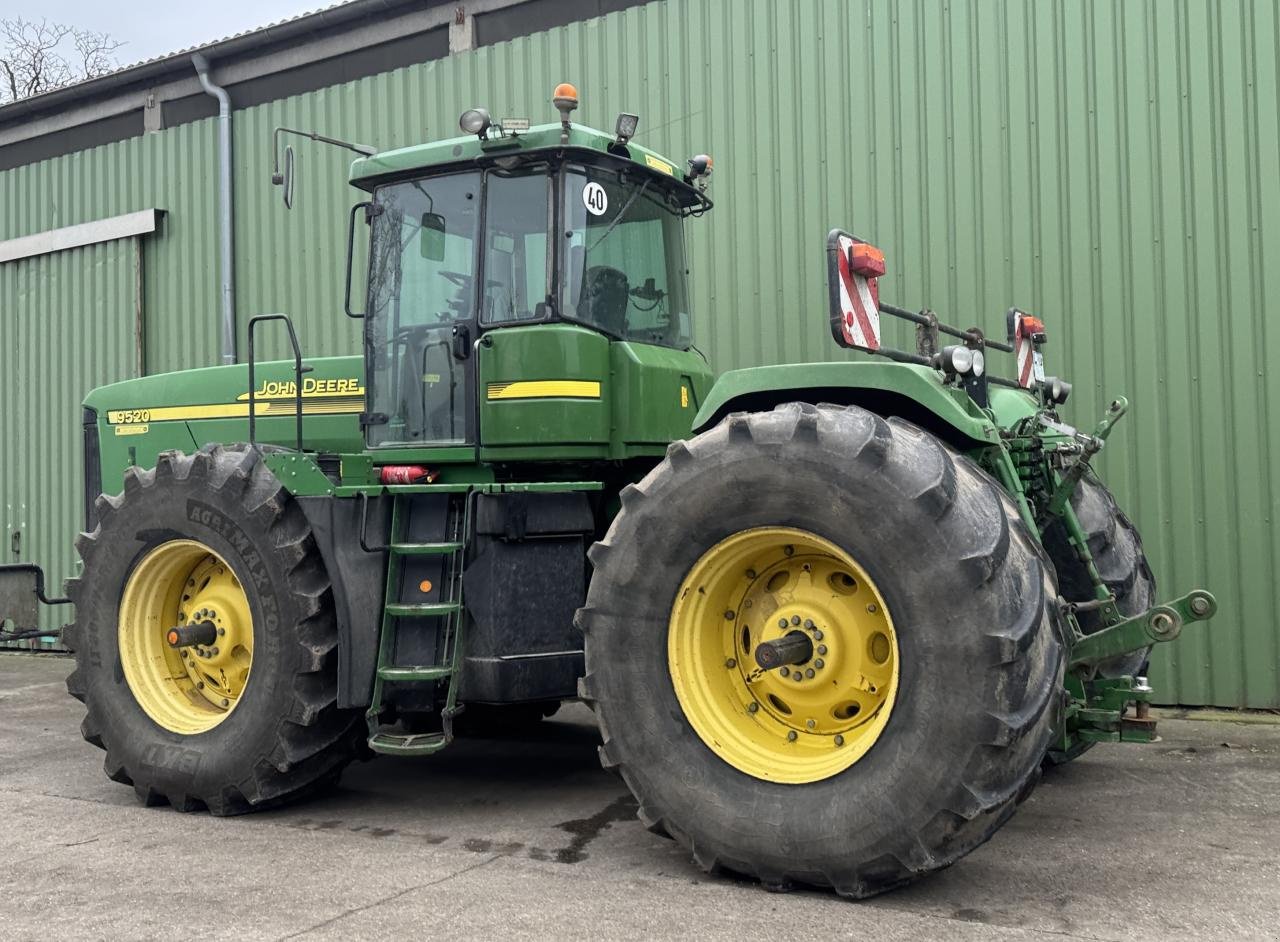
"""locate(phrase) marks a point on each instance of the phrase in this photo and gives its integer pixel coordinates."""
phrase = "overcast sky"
(152, 28)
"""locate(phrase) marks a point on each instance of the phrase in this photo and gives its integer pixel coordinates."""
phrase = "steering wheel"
(458, 278)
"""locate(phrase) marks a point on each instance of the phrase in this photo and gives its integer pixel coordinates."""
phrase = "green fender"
(916, 393)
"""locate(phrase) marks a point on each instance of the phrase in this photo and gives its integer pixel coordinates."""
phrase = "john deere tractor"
(832, 618)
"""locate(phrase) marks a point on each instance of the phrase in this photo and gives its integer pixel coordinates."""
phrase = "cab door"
(424, 291)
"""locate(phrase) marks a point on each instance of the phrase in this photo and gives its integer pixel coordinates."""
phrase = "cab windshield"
(624, 264)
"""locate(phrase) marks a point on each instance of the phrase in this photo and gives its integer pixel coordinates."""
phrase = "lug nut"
(798, 676)
(817, 634)
(822, 649)
(751, 573)
(752, 707)
(214, 652)
(789, 551)
(200, 685)
(795, 619)
(791, 735)
(221, 632)
(730, 662)
(809, 672)
(782, 623)
(819, 663)
(785, 671)
(728, 616)
(872, 608)
(225, 701)
(839, 740)
(810, 723)
(808, 623)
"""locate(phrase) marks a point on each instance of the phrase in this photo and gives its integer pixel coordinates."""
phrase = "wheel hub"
(186, 636)
(796, 678)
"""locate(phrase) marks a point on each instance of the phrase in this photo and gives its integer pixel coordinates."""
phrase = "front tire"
(978, 658)
(248, 718)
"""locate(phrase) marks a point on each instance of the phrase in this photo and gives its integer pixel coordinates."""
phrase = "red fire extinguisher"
(406, 474)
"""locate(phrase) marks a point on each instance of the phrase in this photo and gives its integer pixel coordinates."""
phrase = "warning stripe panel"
(861, 314)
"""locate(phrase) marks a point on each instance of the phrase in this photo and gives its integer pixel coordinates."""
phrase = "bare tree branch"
(38, 57)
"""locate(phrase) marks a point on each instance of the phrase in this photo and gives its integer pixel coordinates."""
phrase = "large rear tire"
(247, 718)
(947, 672)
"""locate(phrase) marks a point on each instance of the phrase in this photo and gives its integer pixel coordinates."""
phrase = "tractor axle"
(795, 647)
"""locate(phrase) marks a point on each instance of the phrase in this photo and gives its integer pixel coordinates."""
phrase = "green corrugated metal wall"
(1111, 165)
(67, 324)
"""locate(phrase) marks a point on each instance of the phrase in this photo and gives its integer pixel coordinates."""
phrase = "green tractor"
(832, 618)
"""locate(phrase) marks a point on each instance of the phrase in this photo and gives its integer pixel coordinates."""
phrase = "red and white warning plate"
(859, 304)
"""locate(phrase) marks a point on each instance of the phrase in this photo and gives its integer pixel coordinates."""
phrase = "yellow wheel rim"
(801, 722)
(190, 689)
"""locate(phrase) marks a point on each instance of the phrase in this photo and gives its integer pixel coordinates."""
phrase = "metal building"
(1113, 166)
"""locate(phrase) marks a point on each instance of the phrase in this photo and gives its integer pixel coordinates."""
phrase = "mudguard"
(915, 393)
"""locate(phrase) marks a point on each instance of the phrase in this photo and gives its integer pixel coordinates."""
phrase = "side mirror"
(431, 237)
(285, 179)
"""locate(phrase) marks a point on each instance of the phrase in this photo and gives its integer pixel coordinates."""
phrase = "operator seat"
(604, 299)
(428, 386)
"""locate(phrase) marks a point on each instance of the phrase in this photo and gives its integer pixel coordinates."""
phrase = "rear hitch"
(1098, 711)
(1161, 623)
(1085, 446)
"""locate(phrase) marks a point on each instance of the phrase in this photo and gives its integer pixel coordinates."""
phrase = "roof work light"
(475, 121)
(626, 127)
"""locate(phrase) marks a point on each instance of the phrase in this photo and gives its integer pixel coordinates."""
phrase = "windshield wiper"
(618, 218)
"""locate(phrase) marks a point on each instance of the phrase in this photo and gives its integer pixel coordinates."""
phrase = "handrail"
(298, 370)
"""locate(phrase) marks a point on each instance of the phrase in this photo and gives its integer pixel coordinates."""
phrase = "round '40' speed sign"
(595, 198)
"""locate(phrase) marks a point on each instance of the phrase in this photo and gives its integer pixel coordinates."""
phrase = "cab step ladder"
(451, 610)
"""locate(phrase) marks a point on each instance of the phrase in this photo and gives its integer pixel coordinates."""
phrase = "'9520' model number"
(128, 416)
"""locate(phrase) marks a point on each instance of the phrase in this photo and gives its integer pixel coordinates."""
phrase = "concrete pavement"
(531, 839)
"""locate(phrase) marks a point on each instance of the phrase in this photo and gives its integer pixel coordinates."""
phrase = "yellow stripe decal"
(231, 410)
(545, 389)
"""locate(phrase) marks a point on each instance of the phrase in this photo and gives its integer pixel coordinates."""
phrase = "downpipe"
(224, 206)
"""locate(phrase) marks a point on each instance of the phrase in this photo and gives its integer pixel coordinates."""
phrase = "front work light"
(475, 121)
(626, 127)
(961, 360)
(1058, 389)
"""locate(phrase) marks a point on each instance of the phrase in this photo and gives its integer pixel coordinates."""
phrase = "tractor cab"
(504, 266)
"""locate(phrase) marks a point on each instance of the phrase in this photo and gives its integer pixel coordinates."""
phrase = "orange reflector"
(1032, 325)
(424, 585)
(866, 260)
(173, 636)
(565, 93)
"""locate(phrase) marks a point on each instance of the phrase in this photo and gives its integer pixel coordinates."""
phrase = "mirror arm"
(362, 149)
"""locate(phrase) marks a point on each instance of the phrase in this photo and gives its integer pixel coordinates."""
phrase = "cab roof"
(368, 172)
